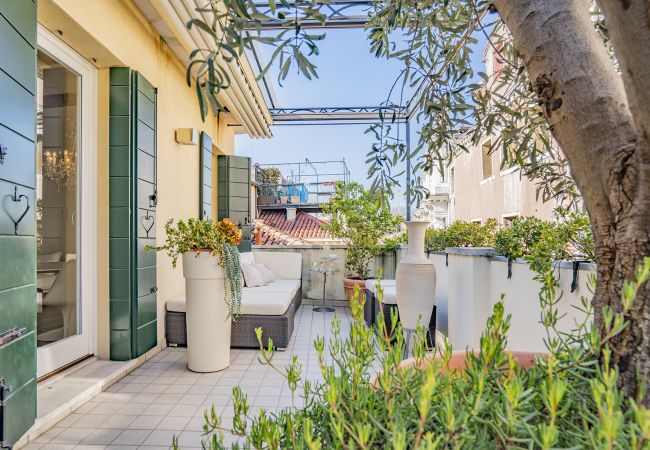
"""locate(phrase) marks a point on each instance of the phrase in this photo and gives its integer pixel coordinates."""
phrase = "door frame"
(58, 354)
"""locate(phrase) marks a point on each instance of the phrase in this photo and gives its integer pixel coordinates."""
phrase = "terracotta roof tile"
(277, 230)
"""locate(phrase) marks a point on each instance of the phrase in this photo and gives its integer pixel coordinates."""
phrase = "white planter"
(208, 324)
(415, 280)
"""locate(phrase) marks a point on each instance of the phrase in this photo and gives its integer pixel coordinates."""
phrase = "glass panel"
(58, 103)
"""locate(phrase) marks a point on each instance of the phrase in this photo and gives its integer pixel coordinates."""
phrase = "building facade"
(474, 187)
(101, 144)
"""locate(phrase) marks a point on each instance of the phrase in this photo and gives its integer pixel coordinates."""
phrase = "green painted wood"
(205, 177)
(133, 153)
(22, 16)
(20, 409)
(19, 153)
(21, 117)
(18, 63)
(233, 187)
(18, 246)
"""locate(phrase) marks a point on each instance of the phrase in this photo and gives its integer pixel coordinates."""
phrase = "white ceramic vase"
(415, 279)
(208, 324)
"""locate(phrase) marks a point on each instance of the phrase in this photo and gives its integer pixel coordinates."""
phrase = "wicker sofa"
(272, 307)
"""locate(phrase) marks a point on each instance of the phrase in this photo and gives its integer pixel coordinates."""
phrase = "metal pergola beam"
(340, 114)
(338, 14)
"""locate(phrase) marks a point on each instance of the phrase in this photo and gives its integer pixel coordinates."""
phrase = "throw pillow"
(252, 275)
(267, 274)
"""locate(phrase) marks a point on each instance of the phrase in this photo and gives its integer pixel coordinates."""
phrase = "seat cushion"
(265, 303)
(176, 303)
(390, 295)
(288, 287)
(371, 285)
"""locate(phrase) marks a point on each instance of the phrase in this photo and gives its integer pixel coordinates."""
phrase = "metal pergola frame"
(341, 14)
(338, 14)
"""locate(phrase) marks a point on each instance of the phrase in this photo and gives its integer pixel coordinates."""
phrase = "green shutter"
(205, 176)
(234, 179)
(17, 242)
(132, 199)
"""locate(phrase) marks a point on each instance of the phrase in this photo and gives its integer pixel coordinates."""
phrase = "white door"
(66, 213)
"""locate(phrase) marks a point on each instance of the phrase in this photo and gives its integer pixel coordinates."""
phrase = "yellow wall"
(505, 193)
(114, 33)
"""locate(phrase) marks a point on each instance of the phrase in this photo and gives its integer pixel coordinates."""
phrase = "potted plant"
(361, 222)
(213, 286)
(268, 180)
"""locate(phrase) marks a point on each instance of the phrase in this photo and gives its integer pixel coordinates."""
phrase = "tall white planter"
(415, 280)
(208, 324)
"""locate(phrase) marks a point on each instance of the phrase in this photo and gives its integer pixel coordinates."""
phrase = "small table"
(324, 270)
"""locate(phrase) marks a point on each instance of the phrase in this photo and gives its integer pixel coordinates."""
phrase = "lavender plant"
(567, 399)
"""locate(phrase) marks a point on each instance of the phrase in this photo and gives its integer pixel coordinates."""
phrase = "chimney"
(291, 214)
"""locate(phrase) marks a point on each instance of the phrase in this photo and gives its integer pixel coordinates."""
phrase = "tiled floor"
(162, 399)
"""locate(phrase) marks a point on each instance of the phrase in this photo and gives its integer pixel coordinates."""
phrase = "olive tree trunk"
(601, 119)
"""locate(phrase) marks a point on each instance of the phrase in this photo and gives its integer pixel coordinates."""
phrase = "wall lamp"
(187, 136)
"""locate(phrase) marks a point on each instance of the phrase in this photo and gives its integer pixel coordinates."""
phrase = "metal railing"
(304, 183)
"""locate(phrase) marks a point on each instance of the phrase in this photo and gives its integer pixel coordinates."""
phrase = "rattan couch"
(258, 308)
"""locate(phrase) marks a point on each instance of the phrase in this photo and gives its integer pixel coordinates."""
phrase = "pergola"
(339, 14)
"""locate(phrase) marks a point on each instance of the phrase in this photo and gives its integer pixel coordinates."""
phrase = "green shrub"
(461, 234)
(569, 237)
(568, 399)
(359, 220)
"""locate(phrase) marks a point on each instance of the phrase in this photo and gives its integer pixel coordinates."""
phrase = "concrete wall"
(473, 282)
(312, 282)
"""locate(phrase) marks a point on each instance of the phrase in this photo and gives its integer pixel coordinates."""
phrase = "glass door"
(64, 320)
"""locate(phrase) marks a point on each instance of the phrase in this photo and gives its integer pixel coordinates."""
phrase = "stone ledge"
(470, 251)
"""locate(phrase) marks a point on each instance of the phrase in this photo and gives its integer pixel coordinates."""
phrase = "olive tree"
(571, 107)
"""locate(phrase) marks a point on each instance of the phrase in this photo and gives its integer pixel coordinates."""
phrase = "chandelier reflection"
(61, 166)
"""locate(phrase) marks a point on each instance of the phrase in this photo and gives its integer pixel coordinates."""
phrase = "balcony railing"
(299, 194)
(306, 184)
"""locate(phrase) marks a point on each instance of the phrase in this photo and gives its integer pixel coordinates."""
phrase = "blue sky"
(349, 75)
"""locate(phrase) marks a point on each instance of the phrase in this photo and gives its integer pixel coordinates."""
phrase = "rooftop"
(277, 229)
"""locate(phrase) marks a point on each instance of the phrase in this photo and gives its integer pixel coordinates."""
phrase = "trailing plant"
(461, 234)
(568, 398)
(220, 238)
(359, 220)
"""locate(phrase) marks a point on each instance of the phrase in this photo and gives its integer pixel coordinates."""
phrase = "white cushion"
(390, 295)
(267, 274)
(287, 287)
(285, 265)
(176, 303)
(252, 275)
(371, 285)
(49, 257)
(261, 302)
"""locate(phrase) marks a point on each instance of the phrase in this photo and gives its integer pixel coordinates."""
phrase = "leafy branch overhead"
(231, 27)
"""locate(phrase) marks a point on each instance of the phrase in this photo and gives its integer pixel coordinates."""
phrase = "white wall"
(473, 282)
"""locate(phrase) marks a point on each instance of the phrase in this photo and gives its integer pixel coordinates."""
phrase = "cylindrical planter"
(348, 285)
(208, 324)
(415, 280)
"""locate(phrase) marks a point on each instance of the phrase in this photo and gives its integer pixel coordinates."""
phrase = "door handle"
(11, 335)
(3, 154)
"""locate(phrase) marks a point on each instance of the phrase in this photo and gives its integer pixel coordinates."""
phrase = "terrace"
(119, 161)
(161, 399)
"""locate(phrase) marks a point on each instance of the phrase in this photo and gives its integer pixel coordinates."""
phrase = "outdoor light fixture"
(187, 136)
